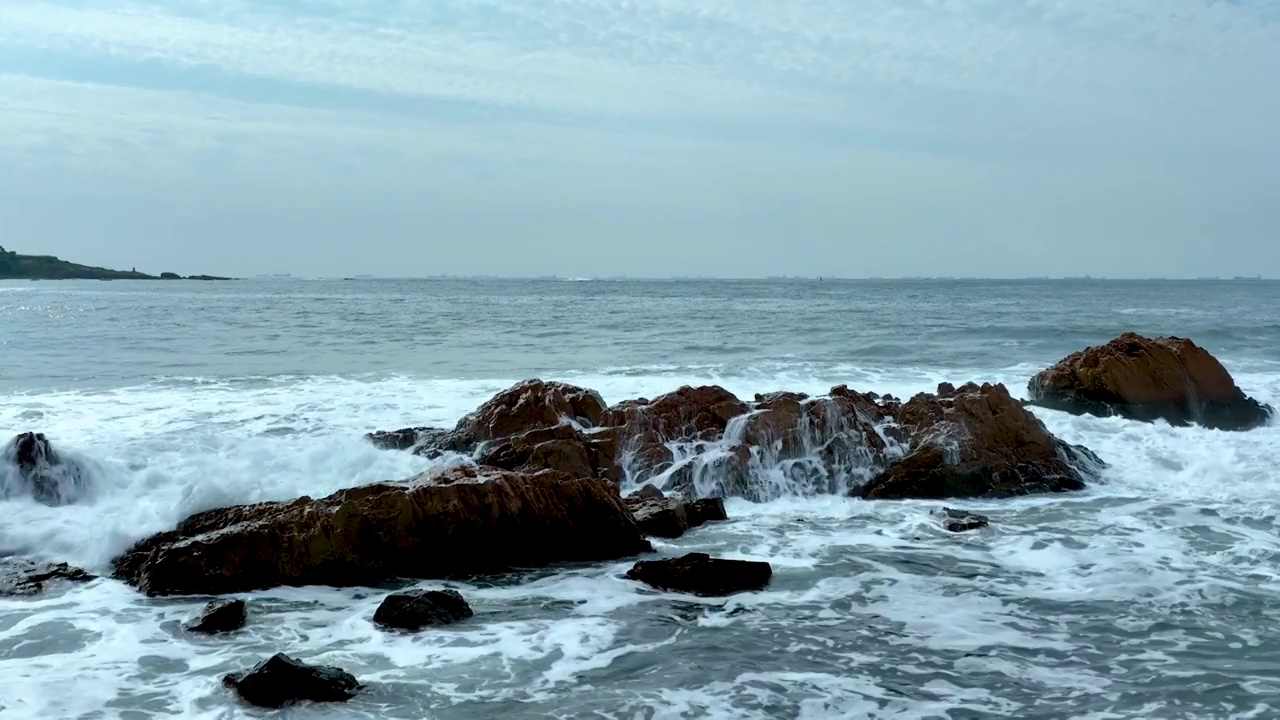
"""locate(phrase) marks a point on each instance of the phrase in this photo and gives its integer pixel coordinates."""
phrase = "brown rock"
(672, 517)
(561, 448)
(978, 442)
(1146, 379)
(701, 574)
(525, 406)
(688, 414)
(462, 521)
(405, 439)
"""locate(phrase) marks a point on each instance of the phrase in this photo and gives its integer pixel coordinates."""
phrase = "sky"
(736, 138)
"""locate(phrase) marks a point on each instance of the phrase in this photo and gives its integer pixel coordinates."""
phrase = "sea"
(1155, 593)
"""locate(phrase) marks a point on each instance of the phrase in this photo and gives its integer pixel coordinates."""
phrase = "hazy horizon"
(596, 138)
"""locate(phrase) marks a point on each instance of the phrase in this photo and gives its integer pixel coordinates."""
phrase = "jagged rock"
(220, 616)
(688, 414)
(29, 465)
(1143, 378)
(977, 442)
(701, 574)
(958, 521)
(280, 680)
(671, 517)
(404, 439)
(562, 448)
(460, 521)
(22, 577)
(649, 492)
(417, 609)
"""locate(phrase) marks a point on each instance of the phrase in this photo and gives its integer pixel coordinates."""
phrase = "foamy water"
(1152, 594)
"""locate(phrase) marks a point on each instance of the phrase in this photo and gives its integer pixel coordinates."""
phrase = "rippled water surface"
(1153, 594)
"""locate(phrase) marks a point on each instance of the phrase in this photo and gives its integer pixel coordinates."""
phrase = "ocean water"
(1153, 594)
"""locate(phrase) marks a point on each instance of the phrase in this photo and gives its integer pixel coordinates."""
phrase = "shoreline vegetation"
(14, 266)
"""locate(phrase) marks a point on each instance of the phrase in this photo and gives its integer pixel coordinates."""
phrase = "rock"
(672, 517)
(417, 609)
(688, 414)
(220, 616)
(958, 521)
(457, 522)
(280, 680)
(1143, 378)
(704, 511)
(170, 276)
(561, 448)
(977, 442)
(529, 405)
(701, 574)
(649, 492)
(404, 439)
(718, 473)
(29, 465)
(21, 577)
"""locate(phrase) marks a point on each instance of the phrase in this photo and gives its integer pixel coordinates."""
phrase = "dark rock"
(170, 276)
(672, 517)
(701, 574)
(206, 277)
(280, 680)
(404, 439)
(29, 465)
(649, 492)
(977, 442)
(1146, 379)
(561, 448)
(23, 577)
(417, 609)
(688, 414)
(958, 521)
(456, 522)
(220, 616)
(529, 405)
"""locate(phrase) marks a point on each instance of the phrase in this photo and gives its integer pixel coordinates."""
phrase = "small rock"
(706, 510)
(672, 517)
(958, 521)
(701, 574)
(417, 609)
(20, 577)
(649, 492)
(220, 616)
(280, 680)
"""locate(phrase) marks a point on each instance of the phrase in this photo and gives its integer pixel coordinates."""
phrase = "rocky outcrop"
(562, 448)
(457, 522)
(220, 616)
(406, 438)
(1168, 378)
(29, 465)
(280, 680)
(688, 414)
(701, 574)
(526, 406)
(977, 441)
(417, 609)
(23, 577)
(672, 517)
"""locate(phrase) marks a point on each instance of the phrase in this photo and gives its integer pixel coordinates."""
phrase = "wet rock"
(649, 492)
(701, 574)
(722, 472)
(688, 414)
(529, 405)
(220, 616)
(561, 448)
(1143, 378)
(456, 522)
(280, 680)
(672, 517)
(404, 439)
(29, 465)
(417, 609)
(958, 521)
(23, 577)
(977, 442)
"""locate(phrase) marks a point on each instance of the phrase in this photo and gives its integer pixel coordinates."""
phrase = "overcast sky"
(644, 137)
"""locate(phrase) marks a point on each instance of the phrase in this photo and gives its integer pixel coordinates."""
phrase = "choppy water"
(1154, 594)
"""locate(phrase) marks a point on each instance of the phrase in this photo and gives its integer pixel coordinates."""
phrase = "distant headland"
(47, 267)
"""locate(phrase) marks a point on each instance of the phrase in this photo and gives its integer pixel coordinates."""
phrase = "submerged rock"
(457, 522)
(672, 517)
(220, 616)
(977, 442)
(958, 521)
(29, 465)
(701, 574)
(22, 577)
(280, 680)
(1147, 379)
(416, 609)
(404, 439)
